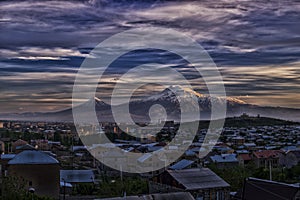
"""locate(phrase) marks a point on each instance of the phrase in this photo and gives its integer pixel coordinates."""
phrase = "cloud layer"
(255, 44)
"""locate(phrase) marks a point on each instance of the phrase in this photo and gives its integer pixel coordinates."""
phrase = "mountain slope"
(170, 98)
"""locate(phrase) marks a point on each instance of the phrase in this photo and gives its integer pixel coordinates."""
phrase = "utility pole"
(270, 169)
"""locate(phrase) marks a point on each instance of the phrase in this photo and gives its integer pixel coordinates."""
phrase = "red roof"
(19, 142)
(267, 153)
(245, 156)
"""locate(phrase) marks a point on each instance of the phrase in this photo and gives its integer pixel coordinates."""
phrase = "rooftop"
(197, 178)
(7, 156)
(77, 176)
(173, 196)
(182, 164)
(267, 153)
(25, 147)
(245, 157)
(224, 158)
(32, 157)
(19, 142)
(260, 189)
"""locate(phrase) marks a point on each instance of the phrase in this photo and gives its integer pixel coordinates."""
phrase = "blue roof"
(190, 153)
(181, 164)
(77, 176)
(78, 148)
(7, 156)
(32, 157)
(65, 184)
(224, 158)
(289, 148)
(195, 149)
(242, 151)
(221, 148)
(154, 148)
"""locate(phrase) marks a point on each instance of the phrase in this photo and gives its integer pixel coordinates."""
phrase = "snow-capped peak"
(174, 92)
(96, 101)
(178, 93)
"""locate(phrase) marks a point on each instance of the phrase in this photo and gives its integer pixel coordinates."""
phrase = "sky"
(255, 45)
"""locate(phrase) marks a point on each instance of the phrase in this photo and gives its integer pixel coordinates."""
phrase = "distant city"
(49, 160)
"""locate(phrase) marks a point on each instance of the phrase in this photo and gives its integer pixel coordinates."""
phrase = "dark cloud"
(43, 43)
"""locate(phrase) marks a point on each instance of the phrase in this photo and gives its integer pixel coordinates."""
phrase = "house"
(223, 148)
(21, 148)
(38, 169)
(190, 154)
(182, 164)
(238, 141)
(290, 158)
(77, 176)
(202, 183)
(289, 148)
(224, 160)
(250, 146)
(260, 189)
(4, 159)
(17, 143)
(265, 158)
(173, 196)
(41, 145)
(244, 159)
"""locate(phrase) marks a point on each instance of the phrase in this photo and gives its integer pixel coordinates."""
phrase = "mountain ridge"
(170, 99)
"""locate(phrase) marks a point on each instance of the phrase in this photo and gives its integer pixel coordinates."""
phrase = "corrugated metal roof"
(197, 178)
(182, 164)
(7, 156)
(224, 158)
(78, 148)
(65, 184)
(173, 196)
(32, 157)
(190, 153)
(267, 153)
(264, 189)
(144, 157)
(25, 147)
(77, 176)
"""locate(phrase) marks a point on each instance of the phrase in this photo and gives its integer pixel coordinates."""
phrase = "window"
(220, 195)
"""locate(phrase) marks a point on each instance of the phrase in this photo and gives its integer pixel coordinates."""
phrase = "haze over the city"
(255, 45)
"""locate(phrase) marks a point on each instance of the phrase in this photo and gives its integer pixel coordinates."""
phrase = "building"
(267, 158)
(41, 145)
(225, 160)
(4, 159)
(260, 189)
(39, 170)
(202, 183)
(238, 141)
(295, 154)
(77, 176)
(2, 147)
(70, 178)
(173, 196)
(21, 148)
(182, 164)
(17, 143)
(244, 159)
